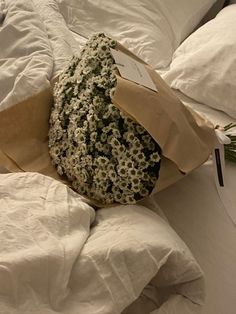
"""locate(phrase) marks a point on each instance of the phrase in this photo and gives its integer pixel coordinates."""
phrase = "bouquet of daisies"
(106, 155)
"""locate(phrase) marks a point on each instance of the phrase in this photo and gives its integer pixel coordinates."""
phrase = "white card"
(132, 70)
(220, 178)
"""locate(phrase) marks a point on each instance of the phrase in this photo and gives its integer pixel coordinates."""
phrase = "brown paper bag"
(24, 135)
(186, 139)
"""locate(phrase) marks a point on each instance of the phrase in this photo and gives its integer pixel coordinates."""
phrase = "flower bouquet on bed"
(108, 135)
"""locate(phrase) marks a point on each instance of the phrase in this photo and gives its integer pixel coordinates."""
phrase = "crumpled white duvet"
(52, 259)
(35, 46)
(43, 227)
(52, 262)
(25, 55)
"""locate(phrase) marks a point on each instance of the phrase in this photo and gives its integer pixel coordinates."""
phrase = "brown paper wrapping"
(186, 139)
(24, 135)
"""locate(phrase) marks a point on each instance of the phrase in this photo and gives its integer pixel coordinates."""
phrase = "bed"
(172, 252)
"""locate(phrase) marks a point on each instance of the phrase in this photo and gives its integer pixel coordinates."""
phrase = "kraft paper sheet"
(186, 138)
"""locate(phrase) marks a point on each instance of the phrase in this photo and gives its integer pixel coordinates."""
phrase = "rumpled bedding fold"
(44, 226)
(57, 256)
(25, 56)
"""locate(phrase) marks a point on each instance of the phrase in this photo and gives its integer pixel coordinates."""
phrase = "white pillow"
(150, 29)
(204, 66)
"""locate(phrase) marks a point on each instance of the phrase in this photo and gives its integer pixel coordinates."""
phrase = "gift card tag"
(219, 163)
(221, 180)
(132, 70)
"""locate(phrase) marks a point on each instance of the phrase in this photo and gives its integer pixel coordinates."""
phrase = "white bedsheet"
(195, 210)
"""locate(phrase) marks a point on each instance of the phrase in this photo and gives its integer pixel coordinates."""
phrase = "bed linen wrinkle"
(39, 243)
(144, 260)
(95, 279)
(117, 20)
(27, 51)
(63, 44)
(114, 260)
